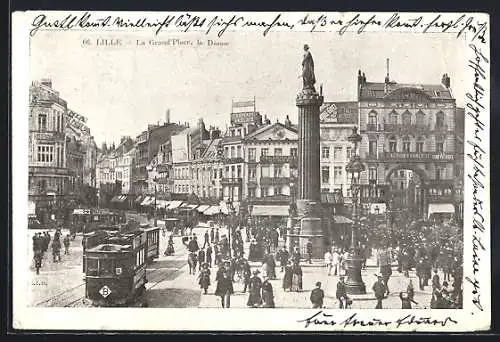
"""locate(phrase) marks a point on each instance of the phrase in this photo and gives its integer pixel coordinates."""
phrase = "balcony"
(235, 160)
(278, 159)
(232, 181)
(281, 199)
(252, 183)
(275, 180)
(373, 193)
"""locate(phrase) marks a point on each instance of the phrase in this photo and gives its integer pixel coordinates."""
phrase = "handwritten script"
(219, 24)
(321, 318)
(476, 110)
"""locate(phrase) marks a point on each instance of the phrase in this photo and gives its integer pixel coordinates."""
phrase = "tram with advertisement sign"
(89, 220)
(115, 270)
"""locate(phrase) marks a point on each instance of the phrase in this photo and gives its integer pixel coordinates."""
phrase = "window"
(372, 147)
(233, 155)
(45, 153)
(337, 153)
(226, 152)
(349, 152)
(420, 118)
(42, 122)
(402, 186)
(238, 151)
(252, 172)
(238, 168)
(439, 120)
(325, 174)
(220, 173)
(420, 145)
(233, 172)
(406, 146)
(278, 190)
(293, 152)
(372, 118)
(406, 118)
(393, 117)
(228, 175)
(337, 175)
(325, 152)
(372, 173)
(439, 146)
(392, 145)
(401, 173)
(251, 192)
(92, 266)
(266, 171)
(264, 152)
(278, 152)
(251, 154)
(215, 173)
(277, 171)
(263, 192)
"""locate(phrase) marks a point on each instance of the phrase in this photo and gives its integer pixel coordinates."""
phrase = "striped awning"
(212, 210)
(202, 208)
(339, 219)
(147, 200)
(174, 205)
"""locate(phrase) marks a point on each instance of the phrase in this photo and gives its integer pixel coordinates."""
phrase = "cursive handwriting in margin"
(359, 22)
(321, 318)
(475, 110)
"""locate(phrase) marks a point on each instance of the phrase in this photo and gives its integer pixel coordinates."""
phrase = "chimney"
(46, 82)
(288, 123)
(387, 79)
(167, 116)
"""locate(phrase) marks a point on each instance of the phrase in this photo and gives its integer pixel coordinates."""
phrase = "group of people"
(41, 242)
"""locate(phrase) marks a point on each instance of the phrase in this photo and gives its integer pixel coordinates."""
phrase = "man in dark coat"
(267, 294)
(206, 239)
(224, 287)
(208, 256)
(201, 258)
(193, 245)
(380, 290)
(247, 273)
(341, 293)
(309, 248)
(317, 296)
(212, 235)
(254, 298)
(283, 258)
(216, 235)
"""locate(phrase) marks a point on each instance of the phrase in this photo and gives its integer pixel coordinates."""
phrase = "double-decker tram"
(115, 270)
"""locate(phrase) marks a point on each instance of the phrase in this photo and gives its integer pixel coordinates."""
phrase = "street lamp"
(354, 283)
(230, 225)
(155, 220)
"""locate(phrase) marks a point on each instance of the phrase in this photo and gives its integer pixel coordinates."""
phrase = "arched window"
(393, 118)
(372, 118)
(406, 144)
(420, 118)
(392, 144)
(439, 120)
(406, 118)
(419, 147)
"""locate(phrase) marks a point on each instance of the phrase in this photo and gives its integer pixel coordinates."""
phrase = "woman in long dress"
(267, 294)
(255, 299)
(297, 278)
(287, 277)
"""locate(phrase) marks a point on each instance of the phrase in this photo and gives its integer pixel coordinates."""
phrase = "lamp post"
(230, 223)
(155, 219)
(354, 283)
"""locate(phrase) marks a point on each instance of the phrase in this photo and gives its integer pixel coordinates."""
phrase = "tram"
(115, 270)
(152, 241)
(88, 220)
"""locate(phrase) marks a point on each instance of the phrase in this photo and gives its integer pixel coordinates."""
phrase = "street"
(171, 286)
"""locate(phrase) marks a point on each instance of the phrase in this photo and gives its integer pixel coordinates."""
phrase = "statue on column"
(308, 77)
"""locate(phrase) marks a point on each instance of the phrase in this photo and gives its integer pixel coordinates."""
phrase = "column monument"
(308, 203)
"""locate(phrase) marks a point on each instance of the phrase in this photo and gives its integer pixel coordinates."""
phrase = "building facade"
(337, 119)
(407, 127)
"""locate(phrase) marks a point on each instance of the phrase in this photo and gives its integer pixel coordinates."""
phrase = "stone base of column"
(312, 230)
(354, 282)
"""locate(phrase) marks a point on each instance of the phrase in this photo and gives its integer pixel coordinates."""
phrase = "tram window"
(106, 267)
(92, 267)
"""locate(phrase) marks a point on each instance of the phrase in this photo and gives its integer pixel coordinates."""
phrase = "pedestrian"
(267, 294)
(405, 300)
(296, 278)
(170, 246)
(317, 296)
(254, 298)
(206, 239)
(384, 262)
(271, 266)
(296, 256)
(436, 283)
(201, 258)
(341, 293)
(208, 256)
(287, 277)
(216, 235)
(380, 290)
(66, 243)
(224, 287)
(328, 261)
(284, 256)
(193, 245)
(336, 261)
(56, 248)
(247, 273)
(212, 235)
(309, 249)
(204, 277)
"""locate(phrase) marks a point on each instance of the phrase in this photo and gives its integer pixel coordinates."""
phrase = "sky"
(122, 90)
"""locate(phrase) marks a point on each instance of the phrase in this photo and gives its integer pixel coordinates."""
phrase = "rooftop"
(377, 90)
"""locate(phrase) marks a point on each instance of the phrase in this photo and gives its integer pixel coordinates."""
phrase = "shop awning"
(441, 208)
(162, 203)
(174, 205)
(188, 206)
(115, 199)
(202, 208)
(270, 210)
(339, 219)
(381, 208)
(212, 210)
(139, 199)
(147, 200)
(122, 198)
